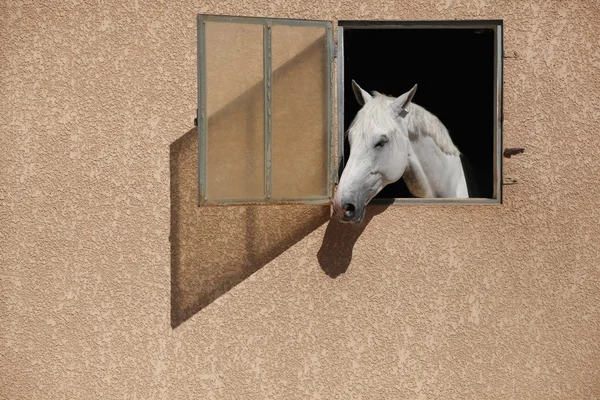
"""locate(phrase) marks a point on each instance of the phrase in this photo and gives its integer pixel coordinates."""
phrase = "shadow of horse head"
(335, 253)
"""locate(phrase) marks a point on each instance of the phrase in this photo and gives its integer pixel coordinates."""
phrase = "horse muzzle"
(349, 212)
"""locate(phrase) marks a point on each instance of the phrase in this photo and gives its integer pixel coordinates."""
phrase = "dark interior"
(454, 70)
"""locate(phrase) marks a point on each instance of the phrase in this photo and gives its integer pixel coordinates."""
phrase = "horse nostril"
(349, 210)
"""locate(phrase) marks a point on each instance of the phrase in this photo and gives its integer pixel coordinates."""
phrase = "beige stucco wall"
(103, 252)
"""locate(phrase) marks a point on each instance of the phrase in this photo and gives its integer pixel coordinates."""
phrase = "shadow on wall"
(335, 253)
(215, 248)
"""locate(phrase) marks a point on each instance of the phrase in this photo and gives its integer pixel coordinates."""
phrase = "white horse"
(392, 138)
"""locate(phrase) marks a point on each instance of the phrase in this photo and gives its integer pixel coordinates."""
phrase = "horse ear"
(399, 105)
(361, 96)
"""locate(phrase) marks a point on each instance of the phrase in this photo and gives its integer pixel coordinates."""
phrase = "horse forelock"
(373, 118)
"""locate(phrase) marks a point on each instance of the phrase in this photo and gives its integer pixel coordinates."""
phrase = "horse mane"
(422, 121)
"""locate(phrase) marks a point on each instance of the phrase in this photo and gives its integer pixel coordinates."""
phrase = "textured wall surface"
(424, 302)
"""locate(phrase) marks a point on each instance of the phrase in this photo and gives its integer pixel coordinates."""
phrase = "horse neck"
(431, 172)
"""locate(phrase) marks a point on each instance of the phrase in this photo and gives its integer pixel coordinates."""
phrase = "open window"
(265, 110)
(266, 94)
(458, 68)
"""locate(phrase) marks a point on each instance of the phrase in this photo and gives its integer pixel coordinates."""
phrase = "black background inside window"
(454, 70)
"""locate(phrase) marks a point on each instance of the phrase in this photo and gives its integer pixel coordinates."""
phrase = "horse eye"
(381, 142)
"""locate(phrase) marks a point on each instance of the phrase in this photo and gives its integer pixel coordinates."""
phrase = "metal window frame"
(333, 173)
(497, 26)
(202, 118)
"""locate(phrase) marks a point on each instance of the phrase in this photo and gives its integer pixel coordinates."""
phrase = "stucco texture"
(115, 285)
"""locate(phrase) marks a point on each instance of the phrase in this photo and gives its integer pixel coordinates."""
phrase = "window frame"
(497, 26)
(335, 50)
(202, 118)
